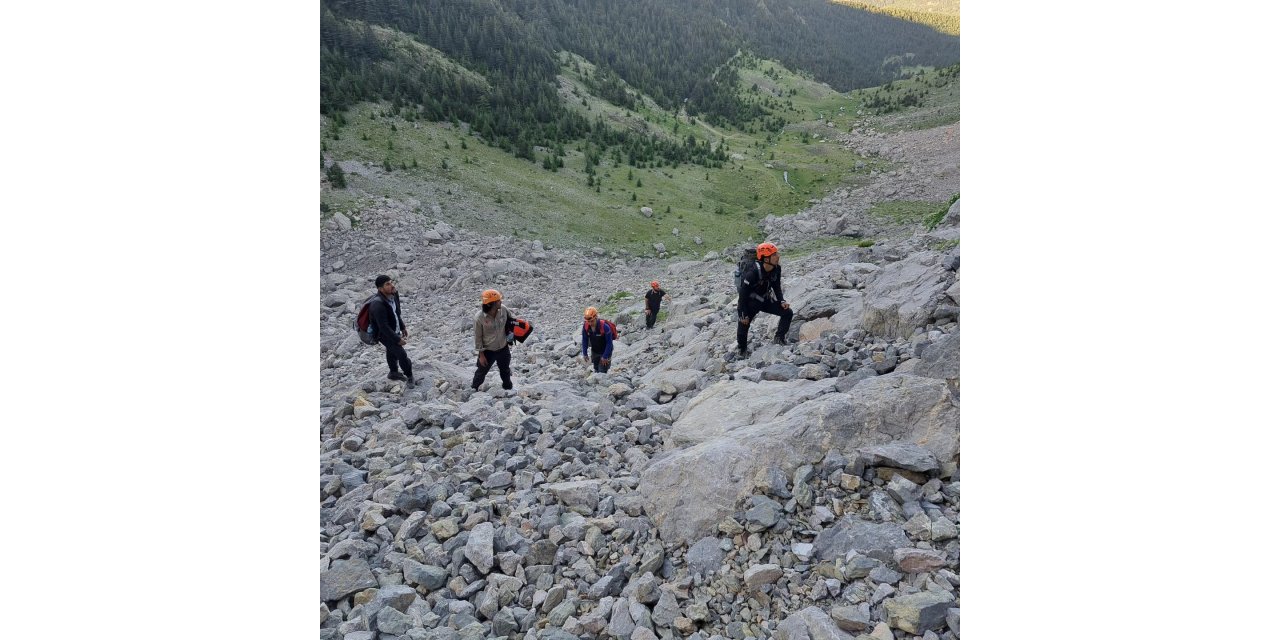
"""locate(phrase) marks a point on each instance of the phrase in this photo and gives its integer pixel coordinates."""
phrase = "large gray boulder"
(811, 623)
(904, 294)
(345, 577)
(824, 303)
(733, 404)
(903, 455)
(942, 360)
(688, 491)
(693, 355)
(919, 612)
(872, 539)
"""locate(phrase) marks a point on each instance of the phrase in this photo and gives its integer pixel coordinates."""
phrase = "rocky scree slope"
(808, 490)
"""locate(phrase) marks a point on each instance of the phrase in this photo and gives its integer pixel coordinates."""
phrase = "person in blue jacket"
(597, 336)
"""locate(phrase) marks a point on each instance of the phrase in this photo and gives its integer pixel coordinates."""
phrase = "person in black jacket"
(653, 303)
(761, 290)
(387, 315)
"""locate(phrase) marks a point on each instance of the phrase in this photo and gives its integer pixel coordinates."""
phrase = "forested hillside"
(943, 15)
(493, 63)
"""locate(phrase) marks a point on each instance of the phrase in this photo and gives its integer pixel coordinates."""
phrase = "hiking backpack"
(613, 328)
(746, 264)
(364, 325)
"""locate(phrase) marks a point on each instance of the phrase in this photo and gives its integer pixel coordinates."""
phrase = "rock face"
(691, 491)
(904, 295)
(941, 359)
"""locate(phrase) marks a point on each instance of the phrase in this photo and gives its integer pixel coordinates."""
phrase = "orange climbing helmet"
(765, 249)
(654, 284)
(490, 295)
(589, 313)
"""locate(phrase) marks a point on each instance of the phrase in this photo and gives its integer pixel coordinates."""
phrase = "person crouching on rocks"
(760, 289)
(597, 336)
(493, 342)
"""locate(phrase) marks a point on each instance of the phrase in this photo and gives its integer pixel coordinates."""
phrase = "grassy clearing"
(940, 105)
(904, 211)
(931, 222)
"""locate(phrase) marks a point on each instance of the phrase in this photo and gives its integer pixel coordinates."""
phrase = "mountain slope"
(688, 489)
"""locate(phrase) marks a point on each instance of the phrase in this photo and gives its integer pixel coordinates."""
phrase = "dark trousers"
(503, 358)
(773, 307)
(398, 359)
(595, 362)
(651, 317)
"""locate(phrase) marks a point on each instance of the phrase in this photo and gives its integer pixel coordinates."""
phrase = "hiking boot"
(409, 382)
(396, 375)
(779, 340)
(742, 350)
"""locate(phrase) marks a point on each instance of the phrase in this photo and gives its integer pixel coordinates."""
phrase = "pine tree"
(337, 179)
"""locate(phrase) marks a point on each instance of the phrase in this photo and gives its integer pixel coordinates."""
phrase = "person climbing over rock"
(597, 335)
(760, 289)
(652, 303)
(493, 340)
(385, 310)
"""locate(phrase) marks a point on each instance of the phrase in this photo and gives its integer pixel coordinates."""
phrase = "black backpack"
(747, 264)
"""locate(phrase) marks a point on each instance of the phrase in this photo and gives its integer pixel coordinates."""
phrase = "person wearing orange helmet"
(493, 344)
(597, 336)
(760, 289)
(652, 303)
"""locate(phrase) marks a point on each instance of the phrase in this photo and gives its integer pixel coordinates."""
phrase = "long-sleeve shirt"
(387, 318)
(598, 338)
(756, 284)
(491, 333)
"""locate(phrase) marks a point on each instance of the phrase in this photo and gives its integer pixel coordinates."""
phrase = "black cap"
(381, 280)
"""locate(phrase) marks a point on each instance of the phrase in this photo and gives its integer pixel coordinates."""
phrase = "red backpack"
(364, 325)
(613, 328)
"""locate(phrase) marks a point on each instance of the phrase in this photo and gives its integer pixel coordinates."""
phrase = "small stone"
(913, 560)
(444, 529)
(852, 619)
(704, 557)
(427, 576)
(479, 548)
(803, 551)
(697, 611)
(761, 574)
(392, 622)
(944, 529)
(903, 490)
(882, 632)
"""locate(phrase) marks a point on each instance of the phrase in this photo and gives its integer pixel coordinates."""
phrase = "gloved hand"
(511, 338)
